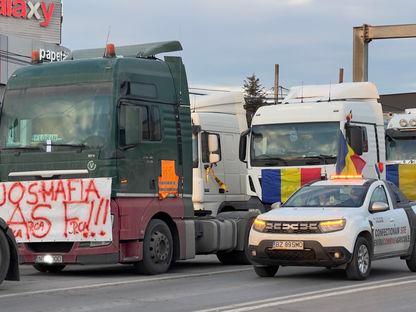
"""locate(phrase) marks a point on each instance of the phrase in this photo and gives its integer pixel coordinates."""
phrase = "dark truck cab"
(121, 118)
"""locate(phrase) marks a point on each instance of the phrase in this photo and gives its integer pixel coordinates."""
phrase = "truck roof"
(210, 107)
(332, 92)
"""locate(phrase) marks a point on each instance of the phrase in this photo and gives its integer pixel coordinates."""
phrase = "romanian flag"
(348, 162)
(278, 184)
(404, 176)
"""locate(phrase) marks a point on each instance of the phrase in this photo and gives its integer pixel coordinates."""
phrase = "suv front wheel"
(360, 266)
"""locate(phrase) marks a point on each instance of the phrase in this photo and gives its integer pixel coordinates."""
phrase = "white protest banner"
(71, 210)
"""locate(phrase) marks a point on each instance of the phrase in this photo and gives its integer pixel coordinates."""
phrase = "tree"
(254, 96)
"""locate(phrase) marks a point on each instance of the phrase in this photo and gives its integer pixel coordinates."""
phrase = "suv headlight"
(259, 225)
(332, 225)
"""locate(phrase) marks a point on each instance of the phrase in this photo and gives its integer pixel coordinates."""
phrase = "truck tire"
(360, 266)
(47, 268)
(266, 271)
(157, 249)
(4, 256)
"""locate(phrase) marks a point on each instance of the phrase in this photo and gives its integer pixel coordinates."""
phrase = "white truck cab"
(343, 223)
(218, 175)
(303, 132)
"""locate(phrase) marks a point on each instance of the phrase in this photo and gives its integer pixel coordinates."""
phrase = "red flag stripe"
(309, 175)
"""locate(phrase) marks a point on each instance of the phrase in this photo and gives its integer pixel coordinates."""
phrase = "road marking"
(135, 281)
(312, 295)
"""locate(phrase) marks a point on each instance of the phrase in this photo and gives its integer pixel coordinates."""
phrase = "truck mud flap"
(214, 235)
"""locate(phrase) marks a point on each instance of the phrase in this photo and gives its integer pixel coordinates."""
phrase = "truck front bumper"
(313, 254)
(69, 253)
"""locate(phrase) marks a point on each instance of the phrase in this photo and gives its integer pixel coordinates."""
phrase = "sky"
(225, 41)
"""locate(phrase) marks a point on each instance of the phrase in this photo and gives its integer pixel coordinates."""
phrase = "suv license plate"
(287, 245)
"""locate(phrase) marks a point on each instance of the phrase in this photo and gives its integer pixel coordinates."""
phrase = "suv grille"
(291, 255)
(50, 247)
(288, 227)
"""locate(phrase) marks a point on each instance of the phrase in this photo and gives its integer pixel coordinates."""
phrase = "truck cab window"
(156, 131)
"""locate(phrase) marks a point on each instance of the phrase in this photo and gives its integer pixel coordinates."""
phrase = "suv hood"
(308, 214)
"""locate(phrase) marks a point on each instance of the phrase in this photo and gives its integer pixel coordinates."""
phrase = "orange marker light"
(380, 167)
(337, 177)
(110, 50)
(35, 57)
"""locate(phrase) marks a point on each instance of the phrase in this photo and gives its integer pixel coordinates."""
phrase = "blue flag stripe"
(271, 185)
(392, 174)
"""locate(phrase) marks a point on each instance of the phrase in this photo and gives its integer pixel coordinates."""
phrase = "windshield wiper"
(22, 148)
(275, 161)
(322, 157)
(80, 146)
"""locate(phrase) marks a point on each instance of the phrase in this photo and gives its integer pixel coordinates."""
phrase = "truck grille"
(296, 227)
(50, 247)
(291, 255)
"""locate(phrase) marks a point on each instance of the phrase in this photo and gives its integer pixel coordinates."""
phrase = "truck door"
(389, 226)
(137, 166)
(214, 195)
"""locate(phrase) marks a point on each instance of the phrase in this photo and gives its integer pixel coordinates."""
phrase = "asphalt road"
(205, 285)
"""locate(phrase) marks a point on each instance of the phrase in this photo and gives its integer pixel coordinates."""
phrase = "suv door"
(390, 229)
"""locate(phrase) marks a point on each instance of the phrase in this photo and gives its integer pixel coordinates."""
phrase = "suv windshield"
(294, 144)
(63, 116)
(328, 196)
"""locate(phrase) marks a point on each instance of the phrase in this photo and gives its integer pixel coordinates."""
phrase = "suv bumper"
(313, 254)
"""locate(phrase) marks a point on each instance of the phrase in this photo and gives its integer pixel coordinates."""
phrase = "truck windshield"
(294, 144)
(61, 116)
(328, 196)
(401, 148)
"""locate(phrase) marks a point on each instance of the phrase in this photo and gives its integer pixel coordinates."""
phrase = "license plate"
(49, 259)
(287, 245)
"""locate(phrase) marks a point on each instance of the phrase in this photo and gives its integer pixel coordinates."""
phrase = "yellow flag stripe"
(349, 168)
(407, 180)
(290, 182)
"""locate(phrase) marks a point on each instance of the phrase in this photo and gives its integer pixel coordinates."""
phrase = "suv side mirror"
(242, 151)
(355, 136)
(379, 207)
(276, 205)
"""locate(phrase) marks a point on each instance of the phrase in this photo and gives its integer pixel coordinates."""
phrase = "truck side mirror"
(355, 136)
(214, 158)
(242, 152)
(379, 207)
(213, 143)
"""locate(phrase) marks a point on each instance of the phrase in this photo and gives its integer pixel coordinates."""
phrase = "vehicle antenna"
(301, 97)
(108, 37)
(330, 86)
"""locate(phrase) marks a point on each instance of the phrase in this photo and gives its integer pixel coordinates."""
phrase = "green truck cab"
(122, 118)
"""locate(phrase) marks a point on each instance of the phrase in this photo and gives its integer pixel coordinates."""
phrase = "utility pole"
(276, 83)
(341, 75)
(363, 35)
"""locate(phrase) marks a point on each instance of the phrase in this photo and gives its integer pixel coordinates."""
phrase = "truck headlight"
(259, 225)
(332, 225)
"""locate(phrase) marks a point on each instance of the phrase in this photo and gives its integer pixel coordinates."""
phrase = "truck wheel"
(266, 271)
(157, 249)
(4, 256)
(47, 268)
(360, 266)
